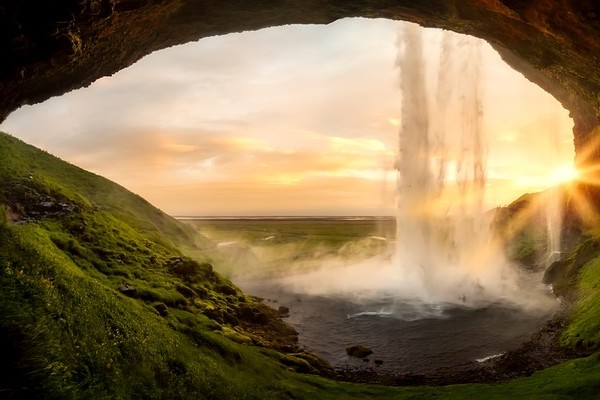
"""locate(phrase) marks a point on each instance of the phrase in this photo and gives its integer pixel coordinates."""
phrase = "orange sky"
(294, 120)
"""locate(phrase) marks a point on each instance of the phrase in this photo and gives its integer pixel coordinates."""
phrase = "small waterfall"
(553, 197)
(553, 224)
(444, 240)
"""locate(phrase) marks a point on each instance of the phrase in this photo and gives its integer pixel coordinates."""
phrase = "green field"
(330, 233)
(280, 245)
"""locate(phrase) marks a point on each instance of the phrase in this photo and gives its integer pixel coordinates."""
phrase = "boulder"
(358, 351)
(283, 311)
(128, 290)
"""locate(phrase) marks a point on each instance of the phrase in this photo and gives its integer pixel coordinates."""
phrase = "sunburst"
(577, 185)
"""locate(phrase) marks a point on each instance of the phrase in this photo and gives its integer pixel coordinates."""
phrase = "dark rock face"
(49, 48)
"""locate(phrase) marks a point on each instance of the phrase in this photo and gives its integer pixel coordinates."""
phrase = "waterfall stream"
(445, 244)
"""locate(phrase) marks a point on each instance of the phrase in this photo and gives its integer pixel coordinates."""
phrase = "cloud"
(293, 119)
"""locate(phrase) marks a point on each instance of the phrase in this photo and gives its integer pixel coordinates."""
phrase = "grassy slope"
(66, 332)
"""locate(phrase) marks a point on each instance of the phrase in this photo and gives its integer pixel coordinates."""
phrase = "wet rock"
(128, 290)
(358, 351)
(283, 311)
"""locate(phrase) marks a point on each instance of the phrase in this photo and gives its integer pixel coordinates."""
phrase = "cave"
(51, 48)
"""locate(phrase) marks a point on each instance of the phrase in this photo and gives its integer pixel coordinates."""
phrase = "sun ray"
(580, 199)
(522, 217)
(563, 173)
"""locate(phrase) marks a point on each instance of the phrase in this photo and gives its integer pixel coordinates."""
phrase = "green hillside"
(99, 300)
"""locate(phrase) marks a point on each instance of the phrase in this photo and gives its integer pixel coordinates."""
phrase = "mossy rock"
(297, 364)
(190, 270)
(236, 336)
(226, 289)
(186, 291)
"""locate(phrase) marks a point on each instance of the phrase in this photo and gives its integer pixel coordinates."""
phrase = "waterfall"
(553, 200)
(553, 224)
(443, 235)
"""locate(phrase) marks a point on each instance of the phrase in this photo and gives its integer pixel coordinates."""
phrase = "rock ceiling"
(51, 47)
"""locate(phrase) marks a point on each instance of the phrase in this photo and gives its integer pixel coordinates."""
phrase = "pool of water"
(407, 336)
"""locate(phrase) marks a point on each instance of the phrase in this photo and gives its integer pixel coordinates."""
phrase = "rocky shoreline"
(542, 350)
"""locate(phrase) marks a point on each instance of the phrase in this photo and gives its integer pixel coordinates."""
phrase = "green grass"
(76, 336)
(584, 330)
(26, 165)
(324, 233)
(67, 333)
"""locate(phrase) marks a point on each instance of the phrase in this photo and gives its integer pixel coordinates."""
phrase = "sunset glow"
(563, 174)
(292, 120)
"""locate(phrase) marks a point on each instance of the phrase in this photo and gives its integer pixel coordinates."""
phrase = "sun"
(563, 173)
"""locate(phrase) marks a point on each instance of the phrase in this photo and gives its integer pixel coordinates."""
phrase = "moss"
(564, 274)
(235, 336)
(584, 329)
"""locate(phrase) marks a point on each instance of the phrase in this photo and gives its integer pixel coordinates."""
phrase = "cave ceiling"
(51, 47)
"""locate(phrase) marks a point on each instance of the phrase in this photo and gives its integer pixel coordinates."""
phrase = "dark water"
(408, 335)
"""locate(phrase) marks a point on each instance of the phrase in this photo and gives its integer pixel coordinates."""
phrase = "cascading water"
(444, 239)
(553, 224)
(445, 253)
(553, 201)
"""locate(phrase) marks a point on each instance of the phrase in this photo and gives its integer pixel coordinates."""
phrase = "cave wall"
(51, 47)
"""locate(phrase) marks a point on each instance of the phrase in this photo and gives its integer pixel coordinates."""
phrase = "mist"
(444, 252)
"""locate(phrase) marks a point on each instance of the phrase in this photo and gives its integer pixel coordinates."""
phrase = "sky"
(291, 120)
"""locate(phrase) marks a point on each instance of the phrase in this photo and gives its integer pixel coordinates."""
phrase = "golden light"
(393, 121)
(563, 174)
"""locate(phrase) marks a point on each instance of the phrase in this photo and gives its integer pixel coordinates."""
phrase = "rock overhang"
(50, 48)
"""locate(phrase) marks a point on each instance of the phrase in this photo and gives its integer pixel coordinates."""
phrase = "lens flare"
(563, 174)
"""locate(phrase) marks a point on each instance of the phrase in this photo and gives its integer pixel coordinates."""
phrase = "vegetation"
(98, 299)
(292, 243)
